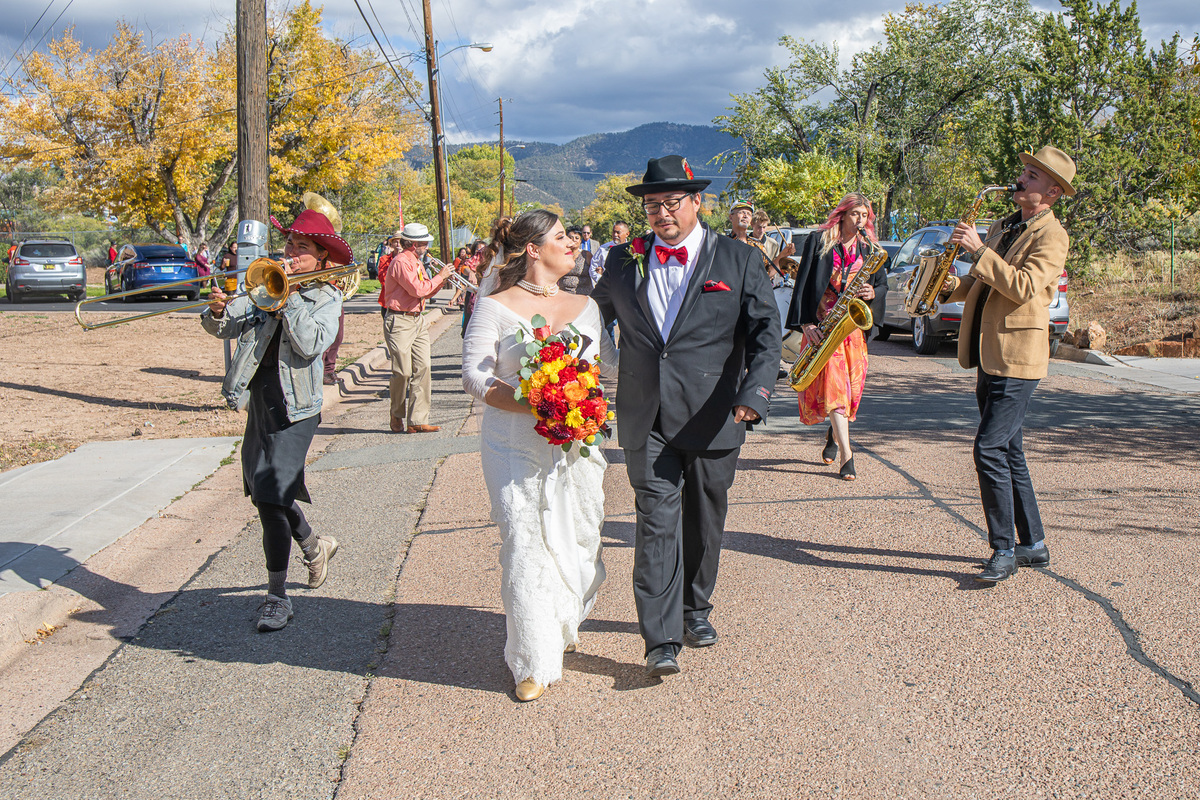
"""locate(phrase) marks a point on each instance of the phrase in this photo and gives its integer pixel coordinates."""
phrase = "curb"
(1069, 352)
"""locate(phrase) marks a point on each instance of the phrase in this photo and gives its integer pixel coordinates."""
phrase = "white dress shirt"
(597, 266)
(668, 282)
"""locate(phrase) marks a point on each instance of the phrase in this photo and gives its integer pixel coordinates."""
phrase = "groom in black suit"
(699, 355)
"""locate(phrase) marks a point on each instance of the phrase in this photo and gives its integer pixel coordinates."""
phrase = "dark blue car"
(146, 266)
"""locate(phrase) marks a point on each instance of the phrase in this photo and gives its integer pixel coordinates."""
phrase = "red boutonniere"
(637, 248)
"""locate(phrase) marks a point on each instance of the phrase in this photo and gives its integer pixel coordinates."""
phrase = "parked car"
(46, 267)
(147, 266)
(930, 331)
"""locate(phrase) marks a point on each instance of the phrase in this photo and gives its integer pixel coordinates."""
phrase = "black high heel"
(830, 451)
(847, 471)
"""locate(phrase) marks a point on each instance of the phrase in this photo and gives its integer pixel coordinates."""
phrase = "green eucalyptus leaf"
(583, 451)
(538, 320)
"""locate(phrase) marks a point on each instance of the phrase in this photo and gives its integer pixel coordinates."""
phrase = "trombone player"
(407, 333)
(276, 374)
(1005, 336)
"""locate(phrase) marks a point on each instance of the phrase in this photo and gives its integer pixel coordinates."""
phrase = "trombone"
(267, 281)
(453, 277)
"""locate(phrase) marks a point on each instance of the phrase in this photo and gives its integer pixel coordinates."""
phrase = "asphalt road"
(858, 656)
(360, 304)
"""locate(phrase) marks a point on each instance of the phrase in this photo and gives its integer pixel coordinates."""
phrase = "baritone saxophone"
(848, 314)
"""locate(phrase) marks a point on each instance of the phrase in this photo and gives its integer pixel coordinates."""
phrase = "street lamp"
(439, 156)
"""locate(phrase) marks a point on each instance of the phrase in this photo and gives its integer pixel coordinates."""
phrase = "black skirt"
(274, 450)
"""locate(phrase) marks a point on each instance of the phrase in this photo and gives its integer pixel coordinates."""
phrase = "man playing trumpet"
(1005, 335)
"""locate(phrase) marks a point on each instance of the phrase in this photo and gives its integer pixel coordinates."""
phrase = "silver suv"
(46, 267)
(929, 332)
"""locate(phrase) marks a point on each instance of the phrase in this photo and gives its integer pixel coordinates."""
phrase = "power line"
(23, 41)
(8, 79)
(383, 52)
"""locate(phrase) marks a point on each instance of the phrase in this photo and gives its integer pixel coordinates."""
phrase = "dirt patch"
(62, 386)
(1135, 314)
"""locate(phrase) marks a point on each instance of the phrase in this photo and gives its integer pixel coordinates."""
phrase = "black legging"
(280, 525)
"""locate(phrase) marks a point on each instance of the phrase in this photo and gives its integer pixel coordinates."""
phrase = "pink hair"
(831, 227)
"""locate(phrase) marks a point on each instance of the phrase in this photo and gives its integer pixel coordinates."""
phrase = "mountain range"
(567, 174)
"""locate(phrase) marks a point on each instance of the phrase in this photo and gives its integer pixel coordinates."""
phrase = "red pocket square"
(715, 286)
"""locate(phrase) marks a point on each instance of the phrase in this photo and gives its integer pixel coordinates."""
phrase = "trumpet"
(453, 277)
(267, 282)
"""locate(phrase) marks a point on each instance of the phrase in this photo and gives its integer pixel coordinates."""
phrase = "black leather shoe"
(699, 633)
(1028, 557)
(998, 568)
(661, 661)
(830, 452)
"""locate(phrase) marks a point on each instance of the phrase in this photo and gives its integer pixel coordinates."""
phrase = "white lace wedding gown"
(548, 504)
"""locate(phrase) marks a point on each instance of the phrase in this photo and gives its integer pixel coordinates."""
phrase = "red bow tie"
(665, 253)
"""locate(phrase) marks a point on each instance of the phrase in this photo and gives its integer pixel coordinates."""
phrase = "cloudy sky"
(564, 67)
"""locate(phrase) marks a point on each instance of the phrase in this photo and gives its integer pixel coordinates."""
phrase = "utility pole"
(439, 165)
(501, 101)
(252, 109)
(253, 204)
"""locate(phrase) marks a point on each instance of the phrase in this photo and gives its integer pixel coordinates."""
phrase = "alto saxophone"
(926, 281)
(848, 313)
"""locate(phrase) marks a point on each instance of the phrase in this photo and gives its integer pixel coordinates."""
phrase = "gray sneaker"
(319, 566)
(275, 613)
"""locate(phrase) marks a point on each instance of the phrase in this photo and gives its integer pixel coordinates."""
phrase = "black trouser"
(681, 498)
(280, 525)
(1004, 484)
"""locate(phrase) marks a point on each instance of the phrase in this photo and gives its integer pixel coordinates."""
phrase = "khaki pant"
(407, 341)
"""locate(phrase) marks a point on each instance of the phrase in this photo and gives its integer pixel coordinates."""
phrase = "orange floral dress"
(840, 384)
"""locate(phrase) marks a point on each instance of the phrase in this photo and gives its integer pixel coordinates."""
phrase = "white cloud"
(570, 67)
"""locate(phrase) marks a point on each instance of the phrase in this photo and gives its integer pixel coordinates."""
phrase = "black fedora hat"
(667, 174)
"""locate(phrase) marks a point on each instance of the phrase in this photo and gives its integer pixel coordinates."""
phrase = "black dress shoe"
(1028, 557)
(998, 568)
(830, 452)
(699, 633)
(661, 661)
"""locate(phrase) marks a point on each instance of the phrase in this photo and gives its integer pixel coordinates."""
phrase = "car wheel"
(883, 334)
(78, 296)
(1054, 343)
(13, 297)
(924, 342)
(192, 296)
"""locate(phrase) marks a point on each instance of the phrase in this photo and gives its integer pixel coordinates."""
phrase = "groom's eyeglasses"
(671, 205)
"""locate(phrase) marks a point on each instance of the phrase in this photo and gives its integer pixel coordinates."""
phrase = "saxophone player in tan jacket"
(1005, 335)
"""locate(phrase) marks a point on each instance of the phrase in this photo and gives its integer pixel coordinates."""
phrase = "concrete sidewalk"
(1174, 374)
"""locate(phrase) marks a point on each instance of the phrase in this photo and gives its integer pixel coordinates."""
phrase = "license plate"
(48, 266)
(165, 270)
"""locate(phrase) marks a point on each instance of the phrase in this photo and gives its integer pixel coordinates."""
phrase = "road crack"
(1128, 633)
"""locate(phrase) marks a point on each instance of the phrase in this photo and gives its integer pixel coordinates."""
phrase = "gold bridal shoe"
(529, 689)
(570, 648)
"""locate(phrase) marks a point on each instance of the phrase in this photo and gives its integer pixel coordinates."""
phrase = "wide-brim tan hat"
(1057, 163)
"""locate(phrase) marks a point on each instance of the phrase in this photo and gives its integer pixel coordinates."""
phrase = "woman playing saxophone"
(828, 262)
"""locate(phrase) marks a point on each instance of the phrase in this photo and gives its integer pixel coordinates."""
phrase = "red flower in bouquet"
(560, 389)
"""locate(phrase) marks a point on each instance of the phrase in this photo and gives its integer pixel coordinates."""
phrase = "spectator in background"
(588, 244)
(620, 235)
(112, 253)
(579, 279)
(203, 268)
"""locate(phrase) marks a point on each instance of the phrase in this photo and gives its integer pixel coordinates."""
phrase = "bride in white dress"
(548, 504)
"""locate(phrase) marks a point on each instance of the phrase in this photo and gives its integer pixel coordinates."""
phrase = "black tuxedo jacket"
(722, 351)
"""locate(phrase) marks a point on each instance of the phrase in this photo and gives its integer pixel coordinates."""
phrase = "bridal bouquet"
(562, 390)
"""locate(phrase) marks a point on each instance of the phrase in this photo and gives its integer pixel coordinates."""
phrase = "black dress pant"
(1004, 486)
(681, 498)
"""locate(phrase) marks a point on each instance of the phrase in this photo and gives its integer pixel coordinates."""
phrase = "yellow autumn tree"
(148, 133)
(613, 204)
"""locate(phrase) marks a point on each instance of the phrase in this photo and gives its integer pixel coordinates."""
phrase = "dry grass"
(1132, 297)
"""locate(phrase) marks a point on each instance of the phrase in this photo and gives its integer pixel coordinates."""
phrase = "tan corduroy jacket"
(1014, 331)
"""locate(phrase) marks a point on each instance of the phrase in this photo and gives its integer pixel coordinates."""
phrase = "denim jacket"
(310, 324)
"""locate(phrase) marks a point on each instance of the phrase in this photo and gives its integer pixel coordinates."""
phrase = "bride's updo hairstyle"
(529, 228)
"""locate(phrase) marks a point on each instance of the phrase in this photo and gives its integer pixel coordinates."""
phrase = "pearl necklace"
(549, 290)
